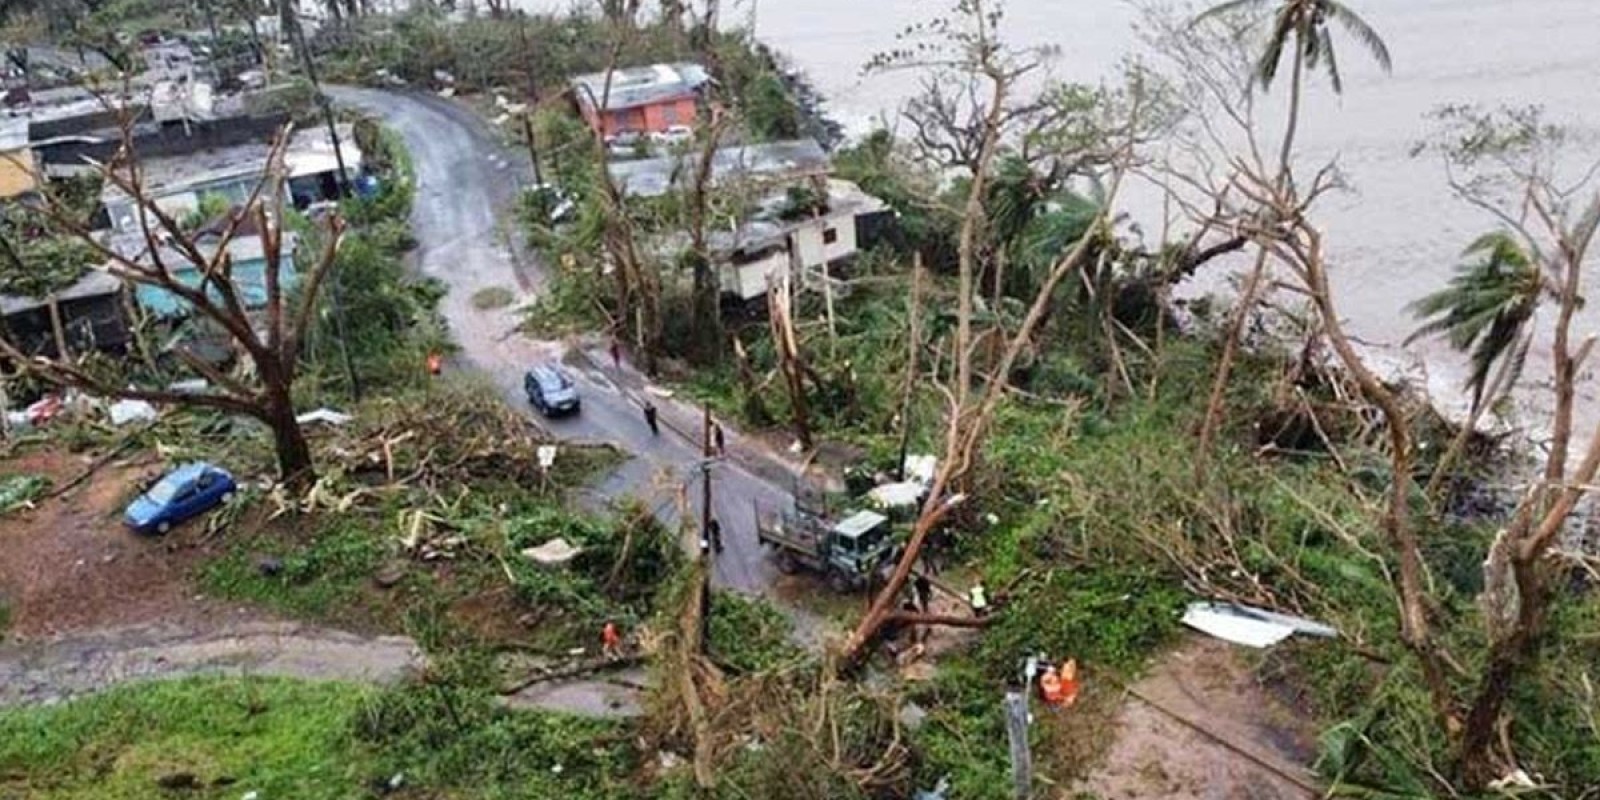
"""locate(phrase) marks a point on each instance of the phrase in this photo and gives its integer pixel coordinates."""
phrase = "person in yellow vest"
(979, 599)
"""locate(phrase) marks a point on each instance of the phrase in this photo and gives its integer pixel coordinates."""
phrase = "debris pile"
(452, 439)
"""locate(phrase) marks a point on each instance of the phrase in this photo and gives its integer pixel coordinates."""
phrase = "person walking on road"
(714, 533)
(718, 440)
(650, 418)
(616, 354)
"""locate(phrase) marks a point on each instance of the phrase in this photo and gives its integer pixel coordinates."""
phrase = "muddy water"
(1397, 234)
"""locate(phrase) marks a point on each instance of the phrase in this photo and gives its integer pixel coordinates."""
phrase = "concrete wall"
(749, 281)
(812, 240)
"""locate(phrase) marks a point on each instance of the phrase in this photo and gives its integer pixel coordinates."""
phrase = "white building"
(764, 249)
(776, 239)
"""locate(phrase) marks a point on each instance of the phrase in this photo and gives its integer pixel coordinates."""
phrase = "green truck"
(847, 553)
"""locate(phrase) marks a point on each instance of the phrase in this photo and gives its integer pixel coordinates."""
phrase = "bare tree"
(976, 51)
(638, 285)
(1505, 164)
(270, 339)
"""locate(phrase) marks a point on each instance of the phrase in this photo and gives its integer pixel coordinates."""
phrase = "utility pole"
(327, 109)
(532, 100)
(343, 190)
(707, 549)
(1016, 710)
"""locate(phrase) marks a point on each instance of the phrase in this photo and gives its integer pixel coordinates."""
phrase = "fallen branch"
(572, 670)
(94, 466)
(946, 620)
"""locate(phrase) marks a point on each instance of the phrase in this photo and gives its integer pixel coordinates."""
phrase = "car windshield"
(164, 490)
(555, 380)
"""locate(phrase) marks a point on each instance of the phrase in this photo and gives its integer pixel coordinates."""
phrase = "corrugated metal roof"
(94, 284)
(638, 86)
(653, 177)
(13, 133)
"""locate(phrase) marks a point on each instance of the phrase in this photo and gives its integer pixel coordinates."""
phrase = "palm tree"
(1486, 307)
(1307, 22)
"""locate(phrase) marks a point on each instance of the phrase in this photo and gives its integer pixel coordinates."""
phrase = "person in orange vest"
(1069, 682)
(1060, 688)
(611, 641)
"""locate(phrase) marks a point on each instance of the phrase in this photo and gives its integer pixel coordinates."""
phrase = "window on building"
(669, 113)
(830, 235)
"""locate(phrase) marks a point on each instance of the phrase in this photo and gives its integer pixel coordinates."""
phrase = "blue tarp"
(249, 278)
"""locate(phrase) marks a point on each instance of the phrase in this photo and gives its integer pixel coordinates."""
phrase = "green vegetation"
(425, 555)
(19, 491)
(492, 297)
(217, 738)
(770, 113)
(748, 635)
(36, 256)
(484, 52)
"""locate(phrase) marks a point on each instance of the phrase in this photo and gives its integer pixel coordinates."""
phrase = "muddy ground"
(91, 604)
(1237, 740)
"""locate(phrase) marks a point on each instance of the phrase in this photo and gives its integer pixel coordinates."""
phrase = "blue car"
(185, 492)
(551, 390)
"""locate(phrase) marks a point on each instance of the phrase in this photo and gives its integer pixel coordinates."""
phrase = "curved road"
(467, 185)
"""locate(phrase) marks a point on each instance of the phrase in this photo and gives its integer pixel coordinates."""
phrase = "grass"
(19, 491)
(310, 741)
(280, 738)
(327, 569)
(492, 297)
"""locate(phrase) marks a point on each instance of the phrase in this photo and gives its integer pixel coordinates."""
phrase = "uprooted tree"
(198, 270)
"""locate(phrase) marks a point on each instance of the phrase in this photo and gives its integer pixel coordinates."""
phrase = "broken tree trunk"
(1230, 347)
(790, 362)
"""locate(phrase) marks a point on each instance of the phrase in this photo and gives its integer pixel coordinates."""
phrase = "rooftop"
(859, 523)
(13, 134)
(309, 153)
(768, 230)
(93, 284)
(653, 177)
(639, 86)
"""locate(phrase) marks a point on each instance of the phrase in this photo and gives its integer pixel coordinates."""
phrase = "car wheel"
(787, 565)
(839, 582)
(163, 527)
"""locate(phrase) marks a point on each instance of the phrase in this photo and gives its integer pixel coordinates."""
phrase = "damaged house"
(798, 222)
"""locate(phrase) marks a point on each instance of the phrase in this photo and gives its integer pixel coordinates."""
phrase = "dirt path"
(49, 670)
(1207, 683)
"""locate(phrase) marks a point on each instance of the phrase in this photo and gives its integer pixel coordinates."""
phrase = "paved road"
(467, 181)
